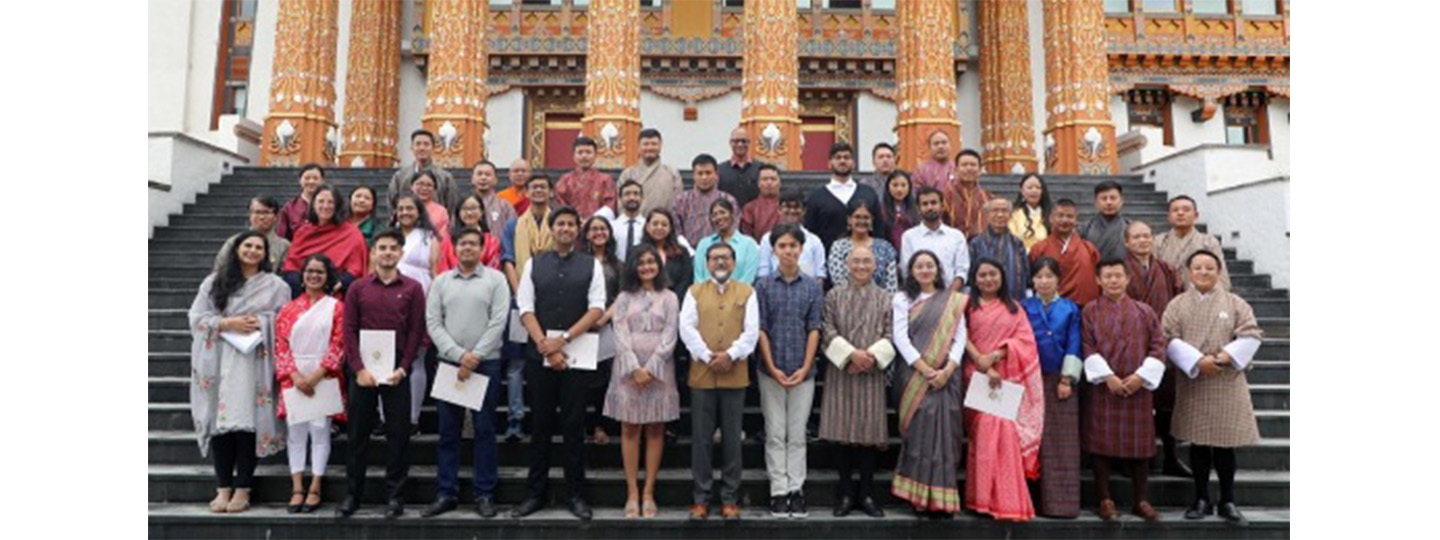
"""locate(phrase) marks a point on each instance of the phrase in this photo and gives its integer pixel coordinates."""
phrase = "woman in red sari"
(327, 231)
(309, 348)
(1003, 453)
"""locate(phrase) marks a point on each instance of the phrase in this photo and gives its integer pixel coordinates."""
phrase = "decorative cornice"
(692, 94)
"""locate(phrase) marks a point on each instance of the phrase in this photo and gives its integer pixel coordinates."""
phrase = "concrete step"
(193, 520)
(196, 484)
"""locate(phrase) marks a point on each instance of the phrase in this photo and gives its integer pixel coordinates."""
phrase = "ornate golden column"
(1007, 126)
(612, 81)
(455, 91)
(372, 85)
(1079, 134)
(300, 126)
(770, 93)
(924, 78)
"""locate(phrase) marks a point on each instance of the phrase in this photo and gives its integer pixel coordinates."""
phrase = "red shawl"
(343, 243)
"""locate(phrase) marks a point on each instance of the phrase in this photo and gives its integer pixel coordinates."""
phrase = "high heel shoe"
(309, 507)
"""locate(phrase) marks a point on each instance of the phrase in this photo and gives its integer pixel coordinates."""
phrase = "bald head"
(739, 143)
(519, 172)
(1139, 240)
(861, 263)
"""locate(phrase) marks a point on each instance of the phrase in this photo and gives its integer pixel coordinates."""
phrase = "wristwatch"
(565, 336)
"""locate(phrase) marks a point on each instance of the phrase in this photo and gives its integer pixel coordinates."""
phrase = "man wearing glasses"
(264, 213)
(740, 175)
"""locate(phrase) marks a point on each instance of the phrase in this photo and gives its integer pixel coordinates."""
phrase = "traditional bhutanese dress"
(1213, 410)
(931, 425)
(1057, 340)
(231, 390)
(838, 269)
(1120, 337)
(1010, 252)
(1003, 453)
(1155, 285)
(852, 408)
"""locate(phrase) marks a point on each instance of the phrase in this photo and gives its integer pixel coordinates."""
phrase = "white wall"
(169, 63)
(187, 166)
(874, 124)
(505, 112)
(342, 70)
(1255, 219)
(708, 134)
(968, 105)
(262, 56)
(200, 84)
(1279, 115)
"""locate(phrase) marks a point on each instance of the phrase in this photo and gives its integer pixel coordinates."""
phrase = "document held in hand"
(377, 352)
(469, 393)
(1003, 402)
(245, 343)
(582, 352)
(302, 408)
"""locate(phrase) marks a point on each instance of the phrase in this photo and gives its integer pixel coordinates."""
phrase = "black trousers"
(234, 455)
(848, 457)
(1223, 459)
(546, 389)
(363, 416)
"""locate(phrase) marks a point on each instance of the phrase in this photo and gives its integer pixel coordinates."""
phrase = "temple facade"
(1057, 86)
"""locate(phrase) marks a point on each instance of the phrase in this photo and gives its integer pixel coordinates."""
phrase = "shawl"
(992, 326)
(933, 321)
(343, 243)
(308, 337)
(262, 295)
(530, 238)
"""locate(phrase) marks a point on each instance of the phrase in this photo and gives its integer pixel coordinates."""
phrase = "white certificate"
(583, 351)
(245, 343)
(1003, 402)
(377, 352)
(302, 408)
(469, 393)
(517, 328)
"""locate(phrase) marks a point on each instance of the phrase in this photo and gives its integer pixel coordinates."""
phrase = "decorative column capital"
(612, 81)
(1079, 133)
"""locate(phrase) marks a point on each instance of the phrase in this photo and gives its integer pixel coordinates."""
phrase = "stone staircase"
(180, 481)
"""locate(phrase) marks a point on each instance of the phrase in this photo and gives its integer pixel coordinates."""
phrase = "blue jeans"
(487, 457)
(515, 379)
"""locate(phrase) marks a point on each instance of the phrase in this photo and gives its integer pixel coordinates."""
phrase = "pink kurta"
(1003, 453)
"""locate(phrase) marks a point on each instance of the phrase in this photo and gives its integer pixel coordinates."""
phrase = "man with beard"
(629, 226)
(946, 242)
(660, 182)
(825, 211)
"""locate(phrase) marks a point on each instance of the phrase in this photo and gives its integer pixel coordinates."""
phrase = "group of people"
(1113, 335)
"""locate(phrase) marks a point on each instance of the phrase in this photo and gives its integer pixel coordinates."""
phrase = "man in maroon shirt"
(384, 300)
(586, 189)
(292, 215)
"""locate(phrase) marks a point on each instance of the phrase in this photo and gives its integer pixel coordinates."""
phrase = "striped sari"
(931, 426)
(1003, 453)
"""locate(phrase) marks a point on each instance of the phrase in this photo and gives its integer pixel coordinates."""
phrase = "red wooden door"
(561, 130)
(819, 133)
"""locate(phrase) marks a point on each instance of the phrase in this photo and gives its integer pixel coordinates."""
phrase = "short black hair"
(268, 202)
(927, 190)
(485, 162)
(331, 278)
(767, 167)
(884, 145)
(583, 141)
(420, 132)
(1065, 202)
(563, 210)
(704, 159)
(1107, 186)
(649, 133)
(393, 234)
(309, 166)
(1219, 263)
(539, 175)
(1041, 264)
(1108, 262)
(786, 229)
(628, 183)
(969, 152)
(1182, 198)
(792, 196)
(467, 231)
(841, 147)
(719, 245)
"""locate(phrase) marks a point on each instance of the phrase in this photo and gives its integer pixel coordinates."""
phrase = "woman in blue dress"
(1056, 321)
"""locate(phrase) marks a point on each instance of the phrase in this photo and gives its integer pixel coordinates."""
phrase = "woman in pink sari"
(1003, 453)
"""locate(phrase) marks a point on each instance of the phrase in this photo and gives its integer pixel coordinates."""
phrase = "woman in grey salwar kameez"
(232, 392)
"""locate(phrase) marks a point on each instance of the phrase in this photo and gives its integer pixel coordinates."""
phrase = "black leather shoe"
(844, 506)
(395, 509)
(485, 506)
(1199, 509)
(348, 508)
(527, 507)
(440, 506)
(868, 506)
(581, 509)
(1232, 514)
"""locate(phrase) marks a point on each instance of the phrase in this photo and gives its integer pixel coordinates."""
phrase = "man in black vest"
(574, 297)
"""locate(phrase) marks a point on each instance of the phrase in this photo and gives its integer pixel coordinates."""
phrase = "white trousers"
(786, 411)
(317, 434)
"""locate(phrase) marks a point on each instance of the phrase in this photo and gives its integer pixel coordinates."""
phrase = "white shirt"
(690, 329)
(623, 241)
(594, 297)
(812, 257)
(947, 242)
(841, 190)
(900, 317)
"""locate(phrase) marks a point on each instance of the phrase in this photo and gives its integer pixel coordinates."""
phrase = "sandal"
(240, 502)
(221, 500)
(295, 507)
(648, 509)
(632, 509)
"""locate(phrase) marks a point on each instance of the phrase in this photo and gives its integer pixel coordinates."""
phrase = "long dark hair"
(374, 201)
(312, 217)
(422, 221)
(630, 278)
(484, 223)
(887, 208)
(330, 277)
(672, 245)
(1003, 294)
(1045, 204)
(608, 251)
(232, 276)
(912, 286)
(857, 203)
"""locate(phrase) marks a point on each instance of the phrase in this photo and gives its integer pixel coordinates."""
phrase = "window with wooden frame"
(232, 61)
(1246, 118)
(1151, 107)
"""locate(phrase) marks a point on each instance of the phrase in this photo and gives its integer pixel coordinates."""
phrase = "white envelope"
(246, 343)
(302, 408)
(1004, 402)
(377, 352)
(583, 351)
(469, 393)
(517, 329)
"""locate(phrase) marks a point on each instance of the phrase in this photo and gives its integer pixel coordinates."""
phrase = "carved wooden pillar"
(372, 85)
(455, 90)
(1007, 132)
(925, 92)
(770, 93)
(612, 81)
(300, 125)
(1079, 133)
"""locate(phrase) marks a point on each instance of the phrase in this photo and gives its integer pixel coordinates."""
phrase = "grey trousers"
(705, 405)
